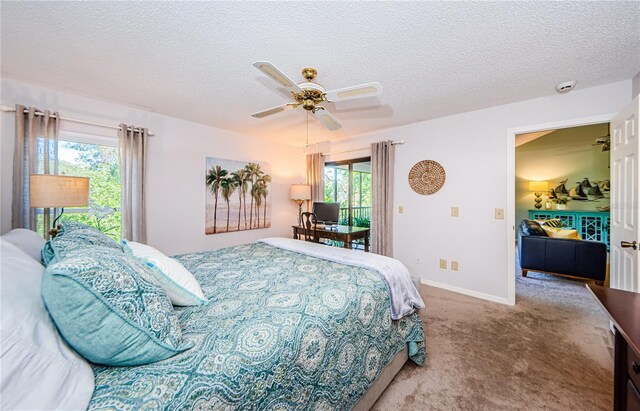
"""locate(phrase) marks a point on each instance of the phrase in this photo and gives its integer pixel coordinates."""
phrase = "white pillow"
(180, 285)
(39, 371)
(28, 241)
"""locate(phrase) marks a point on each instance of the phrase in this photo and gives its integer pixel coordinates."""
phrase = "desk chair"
(309, 222)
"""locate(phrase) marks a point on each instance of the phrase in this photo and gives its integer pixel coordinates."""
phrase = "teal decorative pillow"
(75, 237)
(108, 312)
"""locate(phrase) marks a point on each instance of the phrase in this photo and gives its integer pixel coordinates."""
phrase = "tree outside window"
(349, 183)
(102, 165)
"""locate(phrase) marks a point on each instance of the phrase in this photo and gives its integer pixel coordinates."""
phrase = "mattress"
(282, 330)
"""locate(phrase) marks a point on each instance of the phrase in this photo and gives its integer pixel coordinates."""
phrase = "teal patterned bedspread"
(282, 331)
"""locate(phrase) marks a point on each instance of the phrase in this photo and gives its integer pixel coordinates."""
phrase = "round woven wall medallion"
(427, 177)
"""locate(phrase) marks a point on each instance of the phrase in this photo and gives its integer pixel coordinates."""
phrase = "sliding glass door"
(349, 183)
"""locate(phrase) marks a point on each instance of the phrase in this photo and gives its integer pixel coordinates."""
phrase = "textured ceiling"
(193, 60)
(569, 140)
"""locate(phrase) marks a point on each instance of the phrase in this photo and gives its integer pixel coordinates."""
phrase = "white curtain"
(315, 176)
(35, 152)
(133, 154)
(382, 162)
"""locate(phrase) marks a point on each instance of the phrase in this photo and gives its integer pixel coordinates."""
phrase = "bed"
(285, 328)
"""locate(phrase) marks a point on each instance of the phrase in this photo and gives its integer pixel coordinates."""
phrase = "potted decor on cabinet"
(561, 202)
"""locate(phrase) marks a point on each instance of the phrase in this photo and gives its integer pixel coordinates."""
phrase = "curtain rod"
(360, 149)
(6, 108)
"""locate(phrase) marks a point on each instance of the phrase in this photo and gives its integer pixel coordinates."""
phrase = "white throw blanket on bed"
(404, 295)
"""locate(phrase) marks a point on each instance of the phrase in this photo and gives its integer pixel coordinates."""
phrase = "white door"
(625, 185)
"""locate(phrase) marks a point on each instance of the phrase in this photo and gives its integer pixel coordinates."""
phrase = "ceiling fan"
(311, 95)
(604, 141)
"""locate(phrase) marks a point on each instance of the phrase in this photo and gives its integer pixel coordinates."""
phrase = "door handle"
(626, 244)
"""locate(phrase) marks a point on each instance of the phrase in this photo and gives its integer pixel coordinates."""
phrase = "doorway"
(511, 225)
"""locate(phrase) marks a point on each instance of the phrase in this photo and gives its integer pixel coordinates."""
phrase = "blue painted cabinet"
(591, 225)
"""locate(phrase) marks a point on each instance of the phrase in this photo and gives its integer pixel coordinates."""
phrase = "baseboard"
(465, 291)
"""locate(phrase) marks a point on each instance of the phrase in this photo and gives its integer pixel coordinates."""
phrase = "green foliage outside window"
(101, 165)
(362, 222)
(336, 186)
(336, 190)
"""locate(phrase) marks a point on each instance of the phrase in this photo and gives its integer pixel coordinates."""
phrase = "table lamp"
(300, 193)
(57, 191)
(538, 187)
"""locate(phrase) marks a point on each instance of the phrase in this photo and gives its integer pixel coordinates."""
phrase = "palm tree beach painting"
(237, 196)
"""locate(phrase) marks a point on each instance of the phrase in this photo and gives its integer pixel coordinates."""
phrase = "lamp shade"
(300, 192)
(53, 191)
(538, 186)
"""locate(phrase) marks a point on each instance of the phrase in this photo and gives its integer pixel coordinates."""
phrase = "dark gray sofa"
(572, 258)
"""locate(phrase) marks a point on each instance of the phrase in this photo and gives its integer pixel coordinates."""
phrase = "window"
(95, 157)
(349, 183)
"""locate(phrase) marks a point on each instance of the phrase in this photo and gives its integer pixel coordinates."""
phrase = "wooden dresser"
(623, 307)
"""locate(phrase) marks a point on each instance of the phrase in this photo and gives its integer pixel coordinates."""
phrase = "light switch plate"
(499, 213)
(455, 212)
(454, 265)
(443, 264)
(401, 209)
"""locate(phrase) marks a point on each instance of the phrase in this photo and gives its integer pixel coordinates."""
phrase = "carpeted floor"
(551, 351)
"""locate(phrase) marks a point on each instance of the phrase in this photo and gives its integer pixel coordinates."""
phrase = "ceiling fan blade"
(274, 110)
(273, 72)
(353, 92)
(327, 119)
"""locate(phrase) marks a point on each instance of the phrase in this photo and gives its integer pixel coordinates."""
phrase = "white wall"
(176, 166)
(472, 147)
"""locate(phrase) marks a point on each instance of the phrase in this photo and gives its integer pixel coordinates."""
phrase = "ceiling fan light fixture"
(310, 95)
(308, 104)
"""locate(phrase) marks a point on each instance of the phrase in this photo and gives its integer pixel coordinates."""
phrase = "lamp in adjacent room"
(538, 188)
(57, 191)
(300, 193)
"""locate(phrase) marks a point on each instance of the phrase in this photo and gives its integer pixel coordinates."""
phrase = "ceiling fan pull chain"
(307, 129)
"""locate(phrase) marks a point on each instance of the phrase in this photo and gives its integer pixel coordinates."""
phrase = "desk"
(623, 308)
(343, 233)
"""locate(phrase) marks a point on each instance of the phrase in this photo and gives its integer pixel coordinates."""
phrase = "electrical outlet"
(454, 265)
(419, 260)
(499, 213)
(401, 209)
(455, 212)
(443, 264)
